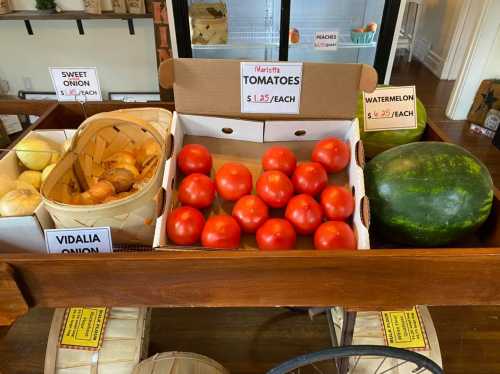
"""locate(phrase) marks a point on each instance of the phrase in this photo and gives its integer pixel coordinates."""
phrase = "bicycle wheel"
(386, 360)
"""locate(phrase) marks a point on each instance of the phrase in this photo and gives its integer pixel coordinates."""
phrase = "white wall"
(482, 61)
(437, 26)
(124, 62)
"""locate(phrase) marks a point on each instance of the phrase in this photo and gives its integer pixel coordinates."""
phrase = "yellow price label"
(404, 329)
(83, 328)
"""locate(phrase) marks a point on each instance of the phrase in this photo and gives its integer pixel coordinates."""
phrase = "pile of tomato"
(310, 205)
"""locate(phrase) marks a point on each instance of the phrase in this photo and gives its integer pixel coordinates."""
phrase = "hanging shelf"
(28, 15)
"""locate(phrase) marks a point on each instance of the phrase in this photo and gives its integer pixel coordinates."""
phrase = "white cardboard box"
(255, 134)
(26, 233)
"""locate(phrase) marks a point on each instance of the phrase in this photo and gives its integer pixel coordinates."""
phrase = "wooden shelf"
(68, 15)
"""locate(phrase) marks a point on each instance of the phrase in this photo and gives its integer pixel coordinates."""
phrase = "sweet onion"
(31, 177)
(20, 202)
(34, 153)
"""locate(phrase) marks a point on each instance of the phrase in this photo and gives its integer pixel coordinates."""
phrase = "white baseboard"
(424, 53)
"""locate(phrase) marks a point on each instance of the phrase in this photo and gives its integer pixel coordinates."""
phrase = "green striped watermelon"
(376, 142)
(428, 193)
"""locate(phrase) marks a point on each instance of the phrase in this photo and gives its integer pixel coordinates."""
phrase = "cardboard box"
(206, 91)
(245, 141)
(25, 233)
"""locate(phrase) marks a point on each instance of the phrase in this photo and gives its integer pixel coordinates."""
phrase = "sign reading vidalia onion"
(84, 240)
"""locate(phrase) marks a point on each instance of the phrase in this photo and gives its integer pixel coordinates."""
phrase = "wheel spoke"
(378, 367)
(394, 367)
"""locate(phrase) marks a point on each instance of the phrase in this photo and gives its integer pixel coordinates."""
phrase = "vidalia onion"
(121, 178)
(101, 190)
(46, 171)
(6, 184)
(31, 177)
(19, 202)
(34, 153)
(131, 168)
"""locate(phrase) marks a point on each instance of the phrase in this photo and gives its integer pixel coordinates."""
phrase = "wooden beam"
(360, 280)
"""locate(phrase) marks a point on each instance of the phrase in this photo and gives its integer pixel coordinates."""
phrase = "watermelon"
(428, 193)
(376, 142)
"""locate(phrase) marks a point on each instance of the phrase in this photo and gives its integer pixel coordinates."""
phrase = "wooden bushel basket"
(179, 363)
(125, 343)
(132, 218)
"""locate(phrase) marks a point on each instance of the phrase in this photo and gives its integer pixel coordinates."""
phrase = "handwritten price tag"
(390, 108)
(270, 87)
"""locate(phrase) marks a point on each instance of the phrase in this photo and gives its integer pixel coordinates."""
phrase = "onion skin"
(101, 190)
(31, 177)
(34, 153)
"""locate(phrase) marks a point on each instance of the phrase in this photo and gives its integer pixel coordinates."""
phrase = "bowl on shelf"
(362, 37)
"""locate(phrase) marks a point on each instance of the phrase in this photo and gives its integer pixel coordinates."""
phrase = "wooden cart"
(361, 280)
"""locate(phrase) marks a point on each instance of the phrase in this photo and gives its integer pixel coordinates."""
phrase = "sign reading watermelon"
(390, 108)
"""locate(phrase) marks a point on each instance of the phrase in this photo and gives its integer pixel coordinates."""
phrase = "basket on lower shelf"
(125, 343)
(85, 189)
(179, 363)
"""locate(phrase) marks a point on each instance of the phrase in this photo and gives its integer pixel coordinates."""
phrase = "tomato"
(334, 235)
(276, 234)
(274, 188)
(337, 203)
(332, 153)
(233, 181)
(194, 158)
(304, 213)
(279, 158)
(250, 212)
(197, 190)
(184, 225)
(221, 232)
(309, 178)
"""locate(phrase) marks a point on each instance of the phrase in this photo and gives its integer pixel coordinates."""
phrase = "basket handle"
(114, 116)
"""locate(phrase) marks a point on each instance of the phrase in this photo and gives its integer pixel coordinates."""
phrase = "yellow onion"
(6, 184)
(121, 157)
(46, 171)
(101, 190)
(34, 153)
(121, 178)
(150, 148)
(31, 177)
(19, 202)
(131, 168)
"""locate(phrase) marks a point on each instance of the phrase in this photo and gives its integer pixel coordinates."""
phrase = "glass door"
(228, 29)
(342, 31)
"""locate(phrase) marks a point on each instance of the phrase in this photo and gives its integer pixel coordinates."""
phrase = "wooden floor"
(254, 340)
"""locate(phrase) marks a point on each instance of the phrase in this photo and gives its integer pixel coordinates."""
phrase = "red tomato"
(279, 158)
(276, 234)
(194, 158)
(332, 153)
(337, 203)
(250, 212)
(197, 190)
(184, 225)
(274, 188)
(334, 235)
(304, 213)
(309, 178)
(233, 181)
(221, 232)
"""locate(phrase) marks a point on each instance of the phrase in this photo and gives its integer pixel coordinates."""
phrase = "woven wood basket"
(132, 218)
(179, 363)
(125, 344)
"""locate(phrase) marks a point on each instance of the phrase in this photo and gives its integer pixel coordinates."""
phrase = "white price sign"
(390, 108)
(85, 240)
(76, 84)
(326, 40)
(271, 87)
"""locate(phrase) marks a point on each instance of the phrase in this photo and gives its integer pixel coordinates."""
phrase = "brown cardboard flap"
(212, 87)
